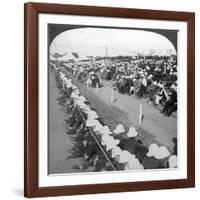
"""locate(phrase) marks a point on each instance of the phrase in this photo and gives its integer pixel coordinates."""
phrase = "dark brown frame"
(32, 10)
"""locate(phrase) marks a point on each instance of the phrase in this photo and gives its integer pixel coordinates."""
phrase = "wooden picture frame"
(31, 103)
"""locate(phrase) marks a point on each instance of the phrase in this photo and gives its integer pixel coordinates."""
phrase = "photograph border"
(31, 105)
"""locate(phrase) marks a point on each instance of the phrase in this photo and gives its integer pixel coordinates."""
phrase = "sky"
(95, 41)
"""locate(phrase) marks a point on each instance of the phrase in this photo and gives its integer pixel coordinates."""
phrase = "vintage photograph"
(112, 99)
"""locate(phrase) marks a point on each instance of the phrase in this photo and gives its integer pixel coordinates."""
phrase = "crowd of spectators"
(104, 149)
(154, 78)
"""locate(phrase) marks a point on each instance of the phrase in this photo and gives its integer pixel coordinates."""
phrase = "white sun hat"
(82, 105)
(150, 76)
(119, 129)
(97, 123)
(132, 132)
(111, 144)
(105, 130)
(74, 96)
(69, 85)
(105, 138)
(91, 122)
(124, 156)
(98, 127)
(82, 98)
(65, 80)
(78, 102)
(172, 161)
(152, 149)
(133, 164)
(62, 75)
(115, 151)
(76, 91)
(161, 153)
(86, 108)
(74, 87)
(93, 114)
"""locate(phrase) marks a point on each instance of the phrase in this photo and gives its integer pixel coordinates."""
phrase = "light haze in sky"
(98, 41)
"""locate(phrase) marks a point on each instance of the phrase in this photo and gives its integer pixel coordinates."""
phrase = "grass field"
(125, 109)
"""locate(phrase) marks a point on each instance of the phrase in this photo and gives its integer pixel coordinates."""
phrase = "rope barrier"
(101, 148)
(96, 140)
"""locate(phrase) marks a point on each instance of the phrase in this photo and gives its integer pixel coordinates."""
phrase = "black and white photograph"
(112, 99)
(109, 99)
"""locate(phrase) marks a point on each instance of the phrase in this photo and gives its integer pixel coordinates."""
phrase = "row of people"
(124, 150)
(154, 79)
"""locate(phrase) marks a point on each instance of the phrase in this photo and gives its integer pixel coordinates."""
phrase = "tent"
(68, 57)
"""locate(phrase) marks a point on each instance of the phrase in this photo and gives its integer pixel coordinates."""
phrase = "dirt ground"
(60, 143)
(124, 109)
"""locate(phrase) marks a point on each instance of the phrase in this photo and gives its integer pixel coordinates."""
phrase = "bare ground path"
(60, 143)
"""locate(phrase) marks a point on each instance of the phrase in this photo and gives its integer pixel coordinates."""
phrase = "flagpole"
(112, 96)
(140, 114)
